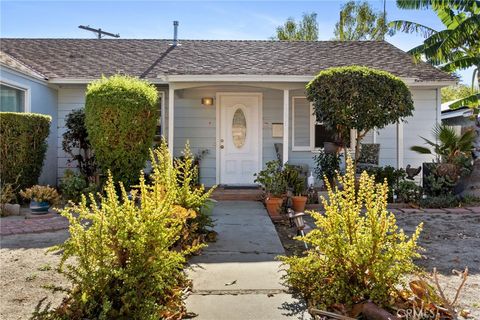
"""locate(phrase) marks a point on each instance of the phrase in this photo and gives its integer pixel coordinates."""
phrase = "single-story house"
(462, 119)
(236, 99)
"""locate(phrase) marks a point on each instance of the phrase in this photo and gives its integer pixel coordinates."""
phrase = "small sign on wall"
(277, 130)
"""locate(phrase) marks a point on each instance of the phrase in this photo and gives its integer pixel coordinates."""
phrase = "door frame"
(218, 161)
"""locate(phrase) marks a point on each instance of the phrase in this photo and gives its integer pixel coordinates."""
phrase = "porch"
(239, 131)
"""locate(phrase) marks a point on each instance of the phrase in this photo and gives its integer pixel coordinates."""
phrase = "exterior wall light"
(207, 101)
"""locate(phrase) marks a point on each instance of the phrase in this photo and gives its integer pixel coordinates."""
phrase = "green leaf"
(472, 101)
(421, 150)
(410, 27)
(461, 63)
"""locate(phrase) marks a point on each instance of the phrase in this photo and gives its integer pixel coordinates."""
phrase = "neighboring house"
(234, 98)
(462, 119)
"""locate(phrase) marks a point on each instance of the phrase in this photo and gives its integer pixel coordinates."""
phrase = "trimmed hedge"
(121, 116)
(22, 147)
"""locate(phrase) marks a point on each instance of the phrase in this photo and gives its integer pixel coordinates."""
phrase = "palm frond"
(472, 101)
(421, 150)
(433, 144)
(426, 4)
(410, 27)
(461, 63)
(446, 134)
(465, 142)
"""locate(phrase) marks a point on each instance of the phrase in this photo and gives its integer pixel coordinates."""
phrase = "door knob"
(221, 146)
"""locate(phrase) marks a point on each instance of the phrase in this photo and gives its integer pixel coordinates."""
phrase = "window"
(307, 134)
(301, 122)
(12, 99)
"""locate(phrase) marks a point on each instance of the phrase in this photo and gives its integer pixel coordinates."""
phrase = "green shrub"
(389, 173)
(437, 202)
(77, 145)
(74, 185)
(23, 147)
(327, 165)
(271, 179)
(354, 256)
(120, 116)
(408, 191)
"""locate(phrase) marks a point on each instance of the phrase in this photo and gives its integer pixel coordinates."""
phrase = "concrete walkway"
(238, 277)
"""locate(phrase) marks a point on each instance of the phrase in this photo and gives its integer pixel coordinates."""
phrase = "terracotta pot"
(273, 206)
(299, 203)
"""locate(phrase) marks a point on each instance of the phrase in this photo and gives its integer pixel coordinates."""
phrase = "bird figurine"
(412, 172)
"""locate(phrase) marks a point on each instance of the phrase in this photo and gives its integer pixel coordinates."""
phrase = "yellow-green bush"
(187, 194)
(355, 256)
(120, 116)
(23, 146)
(129, 250)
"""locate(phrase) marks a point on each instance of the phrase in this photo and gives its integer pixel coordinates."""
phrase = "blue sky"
(198, 19)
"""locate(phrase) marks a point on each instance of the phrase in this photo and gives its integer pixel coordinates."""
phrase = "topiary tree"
(23, 146)
(120, 116)
(358, 98)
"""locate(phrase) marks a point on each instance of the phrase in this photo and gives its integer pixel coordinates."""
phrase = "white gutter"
(166, 79)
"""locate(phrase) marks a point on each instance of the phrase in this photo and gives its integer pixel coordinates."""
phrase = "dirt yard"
(25, 268)
(451, 241)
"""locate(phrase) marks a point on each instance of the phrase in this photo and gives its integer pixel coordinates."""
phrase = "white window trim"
(26, 89)
(313, 122)
(300, 148)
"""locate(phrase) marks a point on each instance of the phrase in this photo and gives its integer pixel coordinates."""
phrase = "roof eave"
(165, 79)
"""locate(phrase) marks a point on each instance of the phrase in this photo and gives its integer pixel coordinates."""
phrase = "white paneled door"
(239, 137)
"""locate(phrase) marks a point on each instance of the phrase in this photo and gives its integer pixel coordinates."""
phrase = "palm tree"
(448, 145)
(455, 48)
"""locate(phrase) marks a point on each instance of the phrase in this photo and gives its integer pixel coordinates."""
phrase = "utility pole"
(99, 32)
(384, 19)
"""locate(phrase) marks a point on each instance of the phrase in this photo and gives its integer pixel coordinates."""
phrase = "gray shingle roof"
(148, 58)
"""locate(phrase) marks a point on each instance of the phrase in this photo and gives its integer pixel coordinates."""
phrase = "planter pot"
(273, 206)
(39, 207)
(331, 147)
(298, 203)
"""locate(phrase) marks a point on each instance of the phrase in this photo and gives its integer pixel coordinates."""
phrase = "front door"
(240, 137)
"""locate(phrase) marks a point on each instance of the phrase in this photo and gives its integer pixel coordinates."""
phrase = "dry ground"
(25, 268)
(451, 241)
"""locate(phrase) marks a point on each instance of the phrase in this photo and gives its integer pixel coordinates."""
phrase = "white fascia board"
(166, 79)
(23, 74)
(428, 84)
(89, 80)
(234, 78)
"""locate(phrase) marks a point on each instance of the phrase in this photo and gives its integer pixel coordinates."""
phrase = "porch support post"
(171, 125)
(400, 145)
(286, 116)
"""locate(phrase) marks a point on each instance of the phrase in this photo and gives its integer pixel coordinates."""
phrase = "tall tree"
(306, 29)
(359, 21)
(457, 47)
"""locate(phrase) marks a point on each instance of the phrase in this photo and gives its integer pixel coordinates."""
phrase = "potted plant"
(273, 184)
(296, 183)
(41, 198)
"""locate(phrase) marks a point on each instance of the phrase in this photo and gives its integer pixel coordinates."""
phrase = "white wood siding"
(69, 98)
(196, 123)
